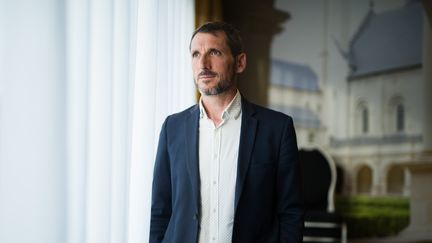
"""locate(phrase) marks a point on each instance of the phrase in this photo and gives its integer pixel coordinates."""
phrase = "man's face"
(214, 67)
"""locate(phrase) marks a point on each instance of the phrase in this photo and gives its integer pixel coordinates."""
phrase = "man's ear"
(240, 62)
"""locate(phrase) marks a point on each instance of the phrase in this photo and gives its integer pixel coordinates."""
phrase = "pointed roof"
(293, 75)
(388, 41)
(302, 116)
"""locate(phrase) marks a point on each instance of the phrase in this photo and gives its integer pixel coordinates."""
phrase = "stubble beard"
(222, 86)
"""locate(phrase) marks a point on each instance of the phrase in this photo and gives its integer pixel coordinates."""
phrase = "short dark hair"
(232, 34)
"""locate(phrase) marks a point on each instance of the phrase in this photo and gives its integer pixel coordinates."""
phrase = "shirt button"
(214, 238)
(214, 182)
(214, 210)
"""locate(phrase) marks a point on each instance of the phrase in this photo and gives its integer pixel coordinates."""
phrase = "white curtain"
(32, 91)
(85, 88)
(129, 68)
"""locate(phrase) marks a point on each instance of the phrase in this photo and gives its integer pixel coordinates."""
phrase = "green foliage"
(373, 216)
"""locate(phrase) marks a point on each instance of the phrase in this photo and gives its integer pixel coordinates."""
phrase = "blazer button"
(195, 217)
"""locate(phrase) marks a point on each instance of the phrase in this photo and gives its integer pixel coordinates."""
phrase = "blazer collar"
(191, 141)
(247, 141)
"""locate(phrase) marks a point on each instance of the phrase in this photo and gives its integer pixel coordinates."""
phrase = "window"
(365, 120)
(361, 120)
(400, 121)
(395, 117)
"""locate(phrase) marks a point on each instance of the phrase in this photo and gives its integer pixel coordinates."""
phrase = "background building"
(351, 75)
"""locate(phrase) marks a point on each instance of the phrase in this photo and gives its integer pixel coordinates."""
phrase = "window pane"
(365, 120)
(400, 123)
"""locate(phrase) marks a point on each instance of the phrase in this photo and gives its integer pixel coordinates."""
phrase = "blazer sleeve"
(161, 208)
(290, 201)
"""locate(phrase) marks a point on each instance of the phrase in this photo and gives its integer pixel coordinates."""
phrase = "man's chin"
(213, 91)
(209, 92)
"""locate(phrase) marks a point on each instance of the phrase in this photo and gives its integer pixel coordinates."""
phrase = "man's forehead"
(220, 36)
(217, 33)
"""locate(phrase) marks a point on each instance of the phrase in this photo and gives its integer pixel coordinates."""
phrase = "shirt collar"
(233, 110)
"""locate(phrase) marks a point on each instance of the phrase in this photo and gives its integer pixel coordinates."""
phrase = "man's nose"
(204, 62)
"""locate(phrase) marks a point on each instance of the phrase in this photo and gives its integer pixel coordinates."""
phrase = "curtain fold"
(84, 88)
(128, 68)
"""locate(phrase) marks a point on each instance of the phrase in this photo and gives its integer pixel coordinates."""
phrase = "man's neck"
(216, 104)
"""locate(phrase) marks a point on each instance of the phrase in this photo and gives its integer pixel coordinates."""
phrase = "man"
(226, 170)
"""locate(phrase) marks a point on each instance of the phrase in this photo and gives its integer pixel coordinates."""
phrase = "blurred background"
(86, 84)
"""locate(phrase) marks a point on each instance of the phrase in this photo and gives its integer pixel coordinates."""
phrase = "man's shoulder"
(266, 113)
(194, 109)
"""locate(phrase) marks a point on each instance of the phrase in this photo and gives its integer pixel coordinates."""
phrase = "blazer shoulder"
(264, 113)
(182, 115)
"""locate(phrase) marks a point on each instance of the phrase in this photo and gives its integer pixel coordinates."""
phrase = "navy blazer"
(268, 202)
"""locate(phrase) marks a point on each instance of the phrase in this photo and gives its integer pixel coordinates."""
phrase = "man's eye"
(195, 54)
(215, 53)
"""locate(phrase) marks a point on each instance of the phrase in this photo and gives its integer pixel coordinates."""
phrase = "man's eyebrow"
(215, 49)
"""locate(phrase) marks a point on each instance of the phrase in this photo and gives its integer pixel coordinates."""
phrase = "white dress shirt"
(218, 154)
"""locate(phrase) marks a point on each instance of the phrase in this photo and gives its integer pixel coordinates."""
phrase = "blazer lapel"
(191, 139)
(247, 140)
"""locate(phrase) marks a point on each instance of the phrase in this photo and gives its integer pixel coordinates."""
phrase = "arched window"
(400, 118)
(362, 118)
(396, 115)
(364, 180)
(365, 120)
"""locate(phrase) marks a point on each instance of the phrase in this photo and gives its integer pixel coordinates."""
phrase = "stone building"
(358, 91)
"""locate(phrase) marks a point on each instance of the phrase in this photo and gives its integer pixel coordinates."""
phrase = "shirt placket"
(215, 167)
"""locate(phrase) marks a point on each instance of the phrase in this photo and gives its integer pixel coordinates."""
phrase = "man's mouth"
(206, 74)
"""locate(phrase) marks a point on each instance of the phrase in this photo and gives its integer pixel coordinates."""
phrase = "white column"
(407, 183)
(420, 227)
(376, 178)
